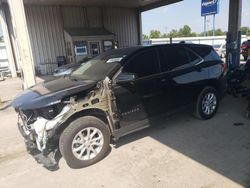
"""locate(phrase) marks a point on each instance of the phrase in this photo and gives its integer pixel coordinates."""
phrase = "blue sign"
(209, 7)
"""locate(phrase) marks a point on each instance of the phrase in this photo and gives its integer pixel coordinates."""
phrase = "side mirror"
(125, 77)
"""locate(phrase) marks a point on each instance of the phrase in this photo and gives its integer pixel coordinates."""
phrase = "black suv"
(115, 94)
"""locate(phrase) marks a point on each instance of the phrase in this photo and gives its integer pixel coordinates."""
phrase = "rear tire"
(207, 103)
(84, 142)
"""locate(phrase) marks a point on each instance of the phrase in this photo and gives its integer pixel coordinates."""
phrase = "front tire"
(84, 142)
(207, 103)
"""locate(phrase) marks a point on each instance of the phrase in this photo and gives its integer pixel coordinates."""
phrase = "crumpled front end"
(39, 126)
(36, 127)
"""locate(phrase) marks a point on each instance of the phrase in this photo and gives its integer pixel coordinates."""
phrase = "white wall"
(3, 56)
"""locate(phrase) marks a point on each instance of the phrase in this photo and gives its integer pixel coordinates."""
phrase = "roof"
(130, 50)
(76, 32)
(127, 52)
(142, 5)
(123, 51)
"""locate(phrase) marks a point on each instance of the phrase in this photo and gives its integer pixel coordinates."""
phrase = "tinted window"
(207, 53)
(193, 58)
(177, 57)
(143, 64)
(99, 67)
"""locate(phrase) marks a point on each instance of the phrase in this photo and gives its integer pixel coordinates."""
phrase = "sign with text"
(209, 7)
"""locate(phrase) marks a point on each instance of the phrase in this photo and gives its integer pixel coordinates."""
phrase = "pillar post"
(7, 42)
(234, 34)
(139, 27)
(23, 41)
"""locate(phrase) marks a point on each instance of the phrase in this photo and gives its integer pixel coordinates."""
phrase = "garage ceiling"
(140, 4)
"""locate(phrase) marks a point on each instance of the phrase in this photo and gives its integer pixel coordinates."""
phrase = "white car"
(220, 49)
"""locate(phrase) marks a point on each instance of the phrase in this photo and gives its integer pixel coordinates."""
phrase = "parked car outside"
(220, 49)
(245, 48)
(68, 69)
(117, 93)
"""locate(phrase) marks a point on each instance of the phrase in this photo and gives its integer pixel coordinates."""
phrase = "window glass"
(173, 58)
(193, 58)
(99, 67)
(207, 53)
(143, 64)
(107, 45)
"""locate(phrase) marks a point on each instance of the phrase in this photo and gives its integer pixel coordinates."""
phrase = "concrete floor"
(178, 151)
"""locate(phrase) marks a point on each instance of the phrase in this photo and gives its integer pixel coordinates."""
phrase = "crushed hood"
(49, 93)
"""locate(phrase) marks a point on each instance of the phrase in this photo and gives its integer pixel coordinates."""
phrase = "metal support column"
(213, 24)
(234, 34)
(139, 27)
(7, 42)
(23, 40)
(205, 25)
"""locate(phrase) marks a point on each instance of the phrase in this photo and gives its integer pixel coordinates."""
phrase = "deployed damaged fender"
(101, 98)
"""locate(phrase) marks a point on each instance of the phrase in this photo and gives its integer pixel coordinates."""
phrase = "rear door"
(180, 67)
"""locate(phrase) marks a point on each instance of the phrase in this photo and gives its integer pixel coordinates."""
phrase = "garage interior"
(47, 20)
(48, 24)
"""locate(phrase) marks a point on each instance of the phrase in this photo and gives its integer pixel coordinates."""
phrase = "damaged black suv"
(115, 94)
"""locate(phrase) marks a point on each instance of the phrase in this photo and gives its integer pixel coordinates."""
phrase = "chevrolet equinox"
(114, 94)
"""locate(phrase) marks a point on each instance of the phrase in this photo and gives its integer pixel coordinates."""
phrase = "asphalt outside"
(178, 151)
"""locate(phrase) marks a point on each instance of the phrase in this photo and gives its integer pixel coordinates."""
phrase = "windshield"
(98, 68)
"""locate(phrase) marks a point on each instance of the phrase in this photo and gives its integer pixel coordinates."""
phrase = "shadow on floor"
(221, 144)
(5, 105)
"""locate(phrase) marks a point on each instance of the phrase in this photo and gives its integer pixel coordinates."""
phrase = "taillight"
(244, 46)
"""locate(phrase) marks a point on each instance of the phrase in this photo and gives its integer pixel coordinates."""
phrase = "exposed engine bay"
(39, 126)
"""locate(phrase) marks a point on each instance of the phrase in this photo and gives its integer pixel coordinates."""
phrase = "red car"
(245, 47)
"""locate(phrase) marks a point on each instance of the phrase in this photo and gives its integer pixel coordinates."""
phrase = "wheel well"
(100, 114)
(216, 84)
(217, 87)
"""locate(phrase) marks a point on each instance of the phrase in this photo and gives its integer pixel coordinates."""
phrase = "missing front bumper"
(49, 158)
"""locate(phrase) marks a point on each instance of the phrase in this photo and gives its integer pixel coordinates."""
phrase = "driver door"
(129, 103)
(134, 84)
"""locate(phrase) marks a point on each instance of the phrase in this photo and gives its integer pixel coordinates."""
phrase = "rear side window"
(176, 58)
(143, 64)
(207, 53)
